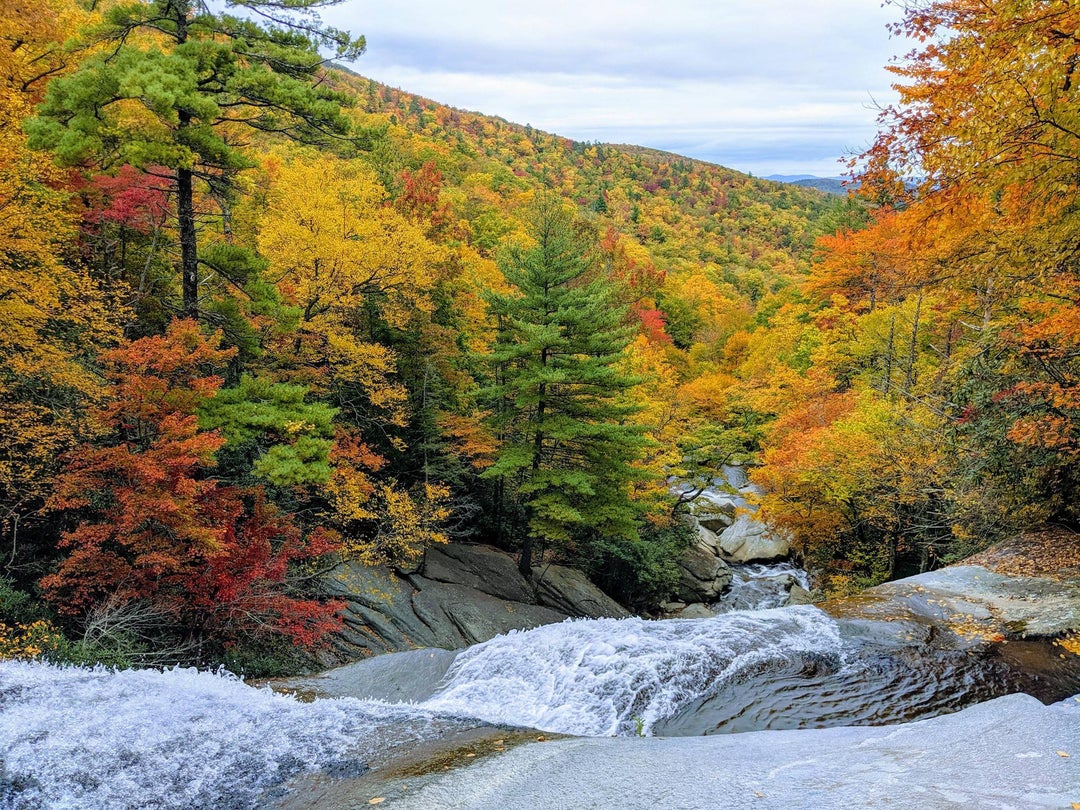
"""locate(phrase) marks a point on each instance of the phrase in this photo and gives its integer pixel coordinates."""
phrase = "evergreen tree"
(172, 83)
(567, 449)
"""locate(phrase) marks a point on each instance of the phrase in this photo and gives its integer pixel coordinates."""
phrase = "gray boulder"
(715, 510)
(703, 575)
(694, 611)
(463, 594)
(570, 591)
(461, 615)
(749, 540)
(481, 567)
(798, 595)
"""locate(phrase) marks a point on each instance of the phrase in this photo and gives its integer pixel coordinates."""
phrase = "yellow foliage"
(336, 249)
(406, 523)
(28, 642)
(51, 315)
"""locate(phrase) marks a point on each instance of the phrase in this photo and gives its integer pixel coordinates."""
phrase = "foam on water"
(80, 738)
(620, 676)
(757, 586)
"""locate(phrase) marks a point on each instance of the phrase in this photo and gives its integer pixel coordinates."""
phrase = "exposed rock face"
(996, 754)
(481, 567)
(460, 595)
(569, 591)
(748, 540)
(703, 575)
(975, 601)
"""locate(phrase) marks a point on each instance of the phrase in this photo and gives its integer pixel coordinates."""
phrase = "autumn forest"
(259, 314)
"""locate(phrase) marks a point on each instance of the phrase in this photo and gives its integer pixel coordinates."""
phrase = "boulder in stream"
(703, 576)
(570, 591)
(749, 540)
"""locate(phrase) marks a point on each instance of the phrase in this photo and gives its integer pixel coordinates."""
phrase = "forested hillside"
(259, 313)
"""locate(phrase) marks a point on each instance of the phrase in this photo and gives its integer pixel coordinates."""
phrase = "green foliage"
(273, 429)
(17, 606)
(170, 103)
(639, 572)
(567, 450)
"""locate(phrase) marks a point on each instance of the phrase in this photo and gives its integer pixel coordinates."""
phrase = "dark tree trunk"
(189, 256)
(525, 563)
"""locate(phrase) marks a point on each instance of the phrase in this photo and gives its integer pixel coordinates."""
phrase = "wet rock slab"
(459, 595)
(973, 601)
(1001, 754)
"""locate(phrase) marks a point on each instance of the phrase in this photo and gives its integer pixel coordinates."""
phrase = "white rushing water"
(80, 738)
(605, 677)
(759, 586)
(85, 739)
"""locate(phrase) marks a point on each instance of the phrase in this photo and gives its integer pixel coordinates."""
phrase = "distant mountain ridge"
(830, 185)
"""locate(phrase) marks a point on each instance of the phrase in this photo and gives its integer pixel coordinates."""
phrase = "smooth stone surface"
(1000, 754)
(405, 677)
(460, 615)
(570, 592)
(1024, 606)
(481, 567)
(748, 540)
(463, 594)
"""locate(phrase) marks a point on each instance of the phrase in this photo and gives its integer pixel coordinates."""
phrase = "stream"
(78, 738)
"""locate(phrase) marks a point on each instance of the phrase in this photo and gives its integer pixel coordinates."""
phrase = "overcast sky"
(765, 86)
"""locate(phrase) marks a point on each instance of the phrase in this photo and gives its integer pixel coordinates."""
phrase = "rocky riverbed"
(605, 712)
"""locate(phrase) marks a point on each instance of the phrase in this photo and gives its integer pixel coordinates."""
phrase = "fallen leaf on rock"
(377, 800)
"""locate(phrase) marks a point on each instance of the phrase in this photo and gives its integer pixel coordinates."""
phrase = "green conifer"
(567, 449)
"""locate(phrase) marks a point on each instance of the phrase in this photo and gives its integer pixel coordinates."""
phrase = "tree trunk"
(189, 256)
(185, 193)
(525, 562)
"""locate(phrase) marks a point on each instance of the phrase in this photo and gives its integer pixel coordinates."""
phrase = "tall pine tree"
(567, 449)
(171, 85)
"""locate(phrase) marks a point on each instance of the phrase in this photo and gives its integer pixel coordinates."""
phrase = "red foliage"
(130, 198)
(239, 589)
(419, 198)
(653, 325)
(156, 528)
(642, 278)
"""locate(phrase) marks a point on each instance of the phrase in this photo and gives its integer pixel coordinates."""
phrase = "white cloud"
(760, 85)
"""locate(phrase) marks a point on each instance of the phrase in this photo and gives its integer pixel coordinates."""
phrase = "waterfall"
(620, 676)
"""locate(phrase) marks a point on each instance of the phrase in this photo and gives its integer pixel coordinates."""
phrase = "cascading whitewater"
(80, 738)
(757, 586)
(620, 676)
